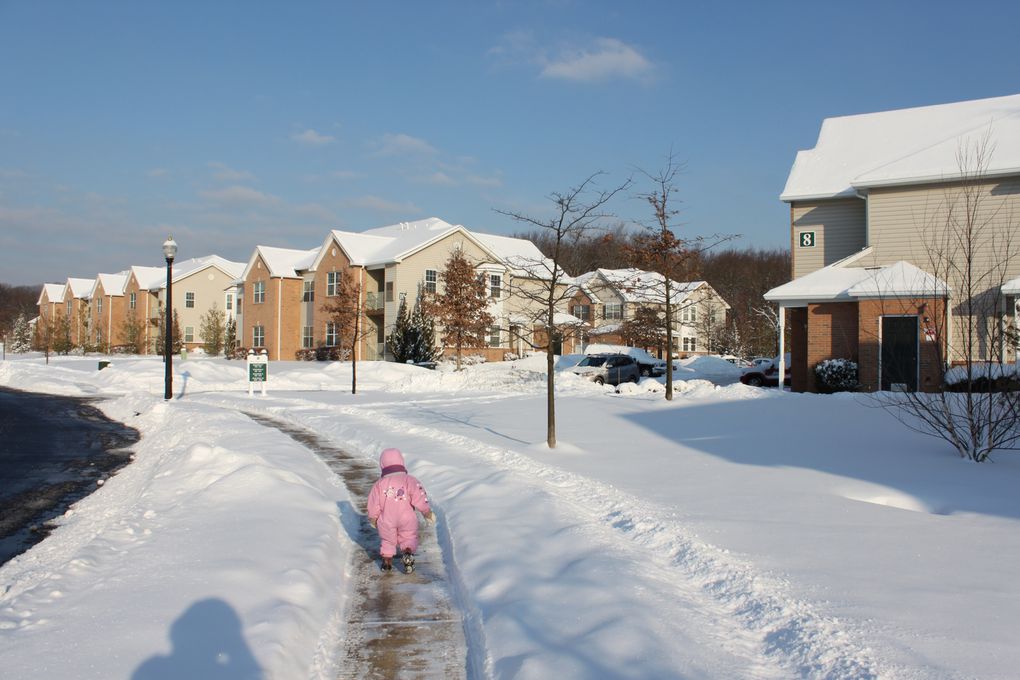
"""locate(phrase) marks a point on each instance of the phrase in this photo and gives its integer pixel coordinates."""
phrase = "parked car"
(608, 369)
(765, 374)
(647, 364)
(759, 362)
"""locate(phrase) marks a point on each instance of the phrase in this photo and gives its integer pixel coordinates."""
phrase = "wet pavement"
(398, 625)
(53, 452)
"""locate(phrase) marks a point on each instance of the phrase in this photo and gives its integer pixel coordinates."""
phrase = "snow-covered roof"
(282, 262)
(395, 242)
(186, 268)
(81, 288)
(54, 292)
(905, 146)
(840, 282)
(113, 284)
(148, 278)
(1011, 287)
(638, 286)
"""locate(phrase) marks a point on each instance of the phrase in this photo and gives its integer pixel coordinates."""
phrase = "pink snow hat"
(391, 457)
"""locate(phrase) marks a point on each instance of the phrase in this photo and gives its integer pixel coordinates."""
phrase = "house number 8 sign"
(807, 239)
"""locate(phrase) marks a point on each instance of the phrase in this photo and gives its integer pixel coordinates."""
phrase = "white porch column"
(782, 345)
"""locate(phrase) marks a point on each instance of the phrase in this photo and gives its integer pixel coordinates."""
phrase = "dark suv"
(608, 369)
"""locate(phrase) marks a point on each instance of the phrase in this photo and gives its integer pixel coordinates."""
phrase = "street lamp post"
(169, 252)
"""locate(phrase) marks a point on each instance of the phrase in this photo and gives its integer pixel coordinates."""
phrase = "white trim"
(782, 349)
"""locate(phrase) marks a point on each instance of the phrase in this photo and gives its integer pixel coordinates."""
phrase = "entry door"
(899, 352)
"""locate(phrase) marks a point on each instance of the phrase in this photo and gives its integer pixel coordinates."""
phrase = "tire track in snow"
(788, 632)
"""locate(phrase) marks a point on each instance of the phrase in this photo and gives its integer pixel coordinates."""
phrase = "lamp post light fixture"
(169, 252)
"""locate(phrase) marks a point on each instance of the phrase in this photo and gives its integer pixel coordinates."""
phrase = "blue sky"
(232, 124)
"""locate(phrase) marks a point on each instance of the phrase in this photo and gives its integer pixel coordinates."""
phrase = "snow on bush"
(836, 375)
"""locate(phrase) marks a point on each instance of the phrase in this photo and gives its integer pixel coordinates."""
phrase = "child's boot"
(387, 563)
(408, 562)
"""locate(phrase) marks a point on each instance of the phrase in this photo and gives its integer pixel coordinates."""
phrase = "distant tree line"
(740, 276)
(14, 302)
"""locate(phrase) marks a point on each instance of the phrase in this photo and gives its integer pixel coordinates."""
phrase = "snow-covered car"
(766, 374)
(608, 369)
(647, 364)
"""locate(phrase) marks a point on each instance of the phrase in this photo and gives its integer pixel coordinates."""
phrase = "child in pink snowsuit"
(391, 509)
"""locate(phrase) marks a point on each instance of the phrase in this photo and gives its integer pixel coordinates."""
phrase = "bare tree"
(132, 333)
(971, 246)
(576, 212)
(659, 250)
(346, 309)
(462, 307)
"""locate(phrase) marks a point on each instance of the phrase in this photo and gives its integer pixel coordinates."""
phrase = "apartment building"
(106, 306)
(284, 291)
(880, 212)
(608, 298)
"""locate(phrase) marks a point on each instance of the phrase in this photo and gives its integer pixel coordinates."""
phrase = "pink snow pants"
(402, 534)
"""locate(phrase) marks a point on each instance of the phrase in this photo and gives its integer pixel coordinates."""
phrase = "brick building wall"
(832, 333)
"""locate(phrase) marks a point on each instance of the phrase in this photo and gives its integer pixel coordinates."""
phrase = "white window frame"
(307, 337)
(258, 292)
(189, 334)
(493, 337)
(308, 291)
(258, 336)
(332, 284)
(615, 314)
(431, 281)
(690, 343)
(332, 334)
(495, 286)
(133, 300)
(189, 299)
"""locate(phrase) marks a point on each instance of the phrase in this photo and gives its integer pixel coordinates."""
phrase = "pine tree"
(397, 342)
(177, 339)
(230, 338)
(22, 335)
(422, 332)
(212, 330)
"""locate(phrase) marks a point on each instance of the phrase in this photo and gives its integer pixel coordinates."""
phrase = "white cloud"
(312, 138)
(239, 195)
(480, 181)
(157, 172)
(607, 59)
(382, 205)
(225, 173)
(402, 145)
(440, 179)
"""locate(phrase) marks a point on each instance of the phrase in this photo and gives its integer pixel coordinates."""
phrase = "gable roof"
(80, 288)
(639, 286)
(396, 242)
(54, 292)
(905, 146)
(187, 268)
(285, 263)
(148, 278)
(113, 284)
(839, 282)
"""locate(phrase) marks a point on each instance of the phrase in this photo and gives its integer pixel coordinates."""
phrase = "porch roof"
(1011, 287)
(838, 282)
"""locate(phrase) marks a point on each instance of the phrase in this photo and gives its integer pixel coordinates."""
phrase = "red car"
(766, 374)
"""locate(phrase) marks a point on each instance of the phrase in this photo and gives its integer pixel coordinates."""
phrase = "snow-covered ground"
(734, 532)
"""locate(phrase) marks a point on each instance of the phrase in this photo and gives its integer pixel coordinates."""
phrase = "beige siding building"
(905, 236)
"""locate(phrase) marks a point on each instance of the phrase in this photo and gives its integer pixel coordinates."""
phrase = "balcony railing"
(374, 301)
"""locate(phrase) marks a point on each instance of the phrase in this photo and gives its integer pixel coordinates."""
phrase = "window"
(331, 334)
(495, 285)
(582, 312)
(308, 294)
(99, 336)
(493, 336)
(258, 336)
(67, 309)
(133, 300)
(613, 310)
(389, 291)
(431, 277)
(99, 305)
(332, 284)
(189, 300)
(239, 300)
(689, 314)
(690, 344)
(230, 302)
(307, 339)
(189, 334)
(258, 294)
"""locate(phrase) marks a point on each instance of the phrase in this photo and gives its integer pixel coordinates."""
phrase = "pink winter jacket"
(396, 495)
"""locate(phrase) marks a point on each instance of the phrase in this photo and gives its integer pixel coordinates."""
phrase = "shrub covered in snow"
(983, 377)
(836, 375)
